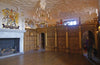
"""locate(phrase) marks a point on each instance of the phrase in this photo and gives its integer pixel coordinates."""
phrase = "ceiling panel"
(58, 8)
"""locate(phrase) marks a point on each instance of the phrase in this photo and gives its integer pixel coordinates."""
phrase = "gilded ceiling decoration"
(60, 9)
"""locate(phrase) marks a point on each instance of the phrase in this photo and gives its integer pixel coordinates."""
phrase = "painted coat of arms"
(10, 19)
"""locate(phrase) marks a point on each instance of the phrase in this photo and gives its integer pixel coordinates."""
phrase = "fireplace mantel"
(12, 30)
(14, 33)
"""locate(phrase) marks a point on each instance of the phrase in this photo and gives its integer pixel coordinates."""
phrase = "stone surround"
(13, 33)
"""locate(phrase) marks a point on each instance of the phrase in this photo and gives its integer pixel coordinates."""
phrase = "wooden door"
(61, 38)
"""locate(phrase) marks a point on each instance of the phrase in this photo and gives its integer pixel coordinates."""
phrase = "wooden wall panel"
(56, 38)
(61, 38)
(85, 28)
(30, 40)
(51, 38)
(73, 36)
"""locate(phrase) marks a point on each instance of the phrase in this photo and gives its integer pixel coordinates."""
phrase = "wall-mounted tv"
(70, 22)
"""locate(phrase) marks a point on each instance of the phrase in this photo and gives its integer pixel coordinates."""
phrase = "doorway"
(87, 37)
(43, 40)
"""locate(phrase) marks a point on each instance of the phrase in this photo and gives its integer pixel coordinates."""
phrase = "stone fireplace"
(9, 46)
(11, 42)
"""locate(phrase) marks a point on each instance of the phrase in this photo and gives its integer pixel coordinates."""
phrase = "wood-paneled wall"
(73, 37)
(58, 38)
(30, 40)
(50, 39)
(61, 38)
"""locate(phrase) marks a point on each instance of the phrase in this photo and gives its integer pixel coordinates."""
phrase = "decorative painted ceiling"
(60, 9)
(30, 4)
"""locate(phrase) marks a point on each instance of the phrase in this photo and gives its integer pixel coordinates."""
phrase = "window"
(70, 22)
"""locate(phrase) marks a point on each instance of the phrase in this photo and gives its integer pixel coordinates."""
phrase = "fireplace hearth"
(11, 42)
(9, 46)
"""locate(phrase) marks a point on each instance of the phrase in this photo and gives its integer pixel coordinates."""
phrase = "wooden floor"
(46, 58)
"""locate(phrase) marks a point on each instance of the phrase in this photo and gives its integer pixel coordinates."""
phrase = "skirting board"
(2, 57)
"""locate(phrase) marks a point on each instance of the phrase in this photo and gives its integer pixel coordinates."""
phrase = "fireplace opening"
(9, 46)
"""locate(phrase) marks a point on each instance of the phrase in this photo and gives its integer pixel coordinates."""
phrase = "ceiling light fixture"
(41, 15)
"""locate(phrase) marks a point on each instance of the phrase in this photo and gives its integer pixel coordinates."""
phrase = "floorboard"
(46, 58)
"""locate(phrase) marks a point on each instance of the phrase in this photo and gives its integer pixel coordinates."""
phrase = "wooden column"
(67, 38)
(55, 40)
(98, 48)
(80, 44)
(67, 45)
(96, 44)
(80, 35)
(96, 32)
(46, 39)
(37, 42)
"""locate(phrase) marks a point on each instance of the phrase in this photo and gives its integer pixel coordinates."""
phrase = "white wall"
(13, 33)
(21, 18)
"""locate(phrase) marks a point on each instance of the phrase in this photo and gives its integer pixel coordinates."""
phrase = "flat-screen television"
(69, 22)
